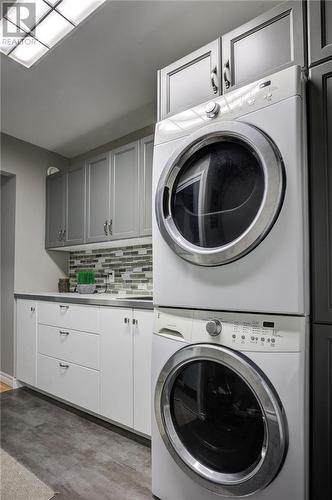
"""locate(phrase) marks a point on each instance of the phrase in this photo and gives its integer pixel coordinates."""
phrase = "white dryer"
(230, 406)
(230, 190)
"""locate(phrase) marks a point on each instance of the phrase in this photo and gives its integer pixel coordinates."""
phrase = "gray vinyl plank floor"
(79, 457)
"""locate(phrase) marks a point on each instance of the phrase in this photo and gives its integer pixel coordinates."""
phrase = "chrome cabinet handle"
(105, 227)
(110, 227)
(64, 307)
(63, 235)
(126, 320)
(60, 235)
(214, 80)
(32, 309)
(62, 365)
(64, 333)
(135, 321)
(226, 73)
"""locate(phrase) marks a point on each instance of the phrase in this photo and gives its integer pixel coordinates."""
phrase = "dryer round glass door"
(220, 419)
(220, 194)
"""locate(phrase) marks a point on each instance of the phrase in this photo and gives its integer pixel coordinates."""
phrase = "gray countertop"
(97, 299)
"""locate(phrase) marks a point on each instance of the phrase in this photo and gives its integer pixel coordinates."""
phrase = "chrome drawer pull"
(126, 320)
(64, 333)
(62, 365)
(32, 309)
(135, 321)
(64, 307)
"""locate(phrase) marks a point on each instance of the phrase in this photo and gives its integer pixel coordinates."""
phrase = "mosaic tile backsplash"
(132, 268)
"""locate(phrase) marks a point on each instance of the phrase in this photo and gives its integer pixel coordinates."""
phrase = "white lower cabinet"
(26, 340)
(98, 358)
(73, 383)
(117, 365)
(76, 347)
(142, 336)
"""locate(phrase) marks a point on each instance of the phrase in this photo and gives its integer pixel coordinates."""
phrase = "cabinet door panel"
(189, 81)
(55, 209)
(98, 198)
(75, 205)
(319, 30)
(321, 414)
(265, 45)
(124, 195)
(142, 334)
(145, 182)
(26, 341)
(117, 365)
(320, 96)
(73, 383)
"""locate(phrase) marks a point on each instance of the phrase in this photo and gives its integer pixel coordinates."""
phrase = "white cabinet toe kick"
(95, 358)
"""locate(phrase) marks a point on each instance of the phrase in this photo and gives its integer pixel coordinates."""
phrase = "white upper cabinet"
(124, 192)
(107, 197)
(191, 80)
(145, 186)
(265, 45)
(98, 199)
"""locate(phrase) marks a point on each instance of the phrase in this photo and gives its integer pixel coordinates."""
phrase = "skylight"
(30, 28)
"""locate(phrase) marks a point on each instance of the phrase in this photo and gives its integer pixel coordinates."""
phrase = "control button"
(213, 327)
(262, 339)
(273, 340)
(252, 338)
(243, 337)
(268, 340)
(234, 336)
(212, 109)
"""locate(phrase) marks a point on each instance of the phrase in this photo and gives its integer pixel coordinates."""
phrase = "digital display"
(268, 324)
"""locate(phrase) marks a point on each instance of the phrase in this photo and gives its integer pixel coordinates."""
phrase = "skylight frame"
(53, 7)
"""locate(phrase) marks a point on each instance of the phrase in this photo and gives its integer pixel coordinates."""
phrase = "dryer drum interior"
(220, 195)
(221, 419)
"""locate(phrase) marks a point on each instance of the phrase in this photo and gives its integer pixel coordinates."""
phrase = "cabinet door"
(26, 341)
(117, 365)
(142, 334)
(321, 413)
(124, 193)
(320, 96)
(265, 45)
(98, 198)
(145, 186)
(189, 81)
(319, 30)
(75, 205)
(55, 210)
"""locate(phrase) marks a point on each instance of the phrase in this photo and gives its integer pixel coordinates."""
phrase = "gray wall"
(35, 268)
(126, 139)
(7, 273)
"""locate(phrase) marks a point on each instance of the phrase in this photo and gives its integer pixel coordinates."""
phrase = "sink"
(136, 297)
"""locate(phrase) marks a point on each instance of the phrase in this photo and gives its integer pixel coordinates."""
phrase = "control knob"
(212, 109)
(213, 327)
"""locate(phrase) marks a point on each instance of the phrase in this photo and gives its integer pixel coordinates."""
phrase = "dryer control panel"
(239, 331)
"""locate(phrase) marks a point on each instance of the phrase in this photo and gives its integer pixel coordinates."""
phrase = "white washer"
(230, 406)
(230, 189)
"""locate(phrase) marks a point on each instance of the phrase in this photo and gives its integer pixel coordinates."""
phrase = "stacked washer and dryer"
(230, 239)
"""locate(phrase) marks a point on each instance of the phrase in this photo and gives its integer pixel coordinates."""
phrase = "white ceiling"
(100, 83)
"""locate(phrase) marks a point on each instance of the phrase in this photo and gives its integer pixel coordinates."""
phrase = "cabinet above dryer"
(263, 46)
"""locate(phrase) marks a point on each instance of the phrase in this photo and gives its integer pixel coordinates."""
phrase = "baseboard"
(10, 380)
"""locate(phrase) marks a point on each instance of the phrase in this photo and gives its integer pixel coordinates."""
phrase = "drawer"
(76, 347)
(72, 316)
(73, 383)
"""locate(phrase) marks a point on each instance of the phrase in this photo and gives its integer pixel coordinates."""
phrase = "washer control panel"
(240, 331)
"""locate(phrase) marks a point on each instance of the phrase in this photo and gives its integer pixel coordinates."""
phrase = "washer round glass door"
(219, 196)
(221, 419)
